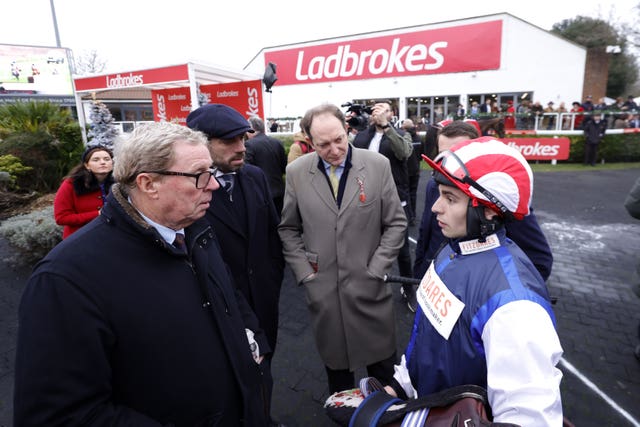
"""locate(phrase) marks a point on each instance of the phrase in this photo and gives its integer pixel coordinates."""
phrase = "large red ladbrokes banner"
(540, 148)
(171, 105)
(246, 96)
(472, 47)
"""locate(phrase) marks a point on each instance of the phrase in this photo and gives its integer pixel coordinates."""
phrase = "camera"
(359, 119)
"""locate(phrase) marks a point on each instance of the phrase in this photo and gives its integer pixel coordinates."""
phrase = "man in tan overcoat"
(342, 228)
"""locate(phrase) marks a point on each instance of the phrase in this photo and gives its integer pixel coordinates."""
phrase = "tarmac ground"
(596, 246)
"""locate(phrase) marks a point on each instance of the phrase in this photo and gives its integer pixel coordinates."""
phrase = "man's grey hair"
(256, 124)
(150, 147)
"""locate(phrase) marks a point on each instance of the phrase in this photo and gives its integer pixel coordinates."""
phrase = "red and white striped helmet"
(490, 172)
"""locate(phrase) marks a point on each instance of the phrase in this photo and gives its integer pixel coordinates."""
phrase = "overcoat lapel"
(320, 185)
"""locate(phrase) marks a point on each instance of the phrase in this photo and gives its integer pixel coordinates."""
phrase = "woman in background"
(300, 146)
(84, 190)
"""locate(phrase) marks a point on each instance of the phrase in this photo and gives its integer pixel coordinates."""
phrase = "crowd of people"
(527, 115)
(194, 225)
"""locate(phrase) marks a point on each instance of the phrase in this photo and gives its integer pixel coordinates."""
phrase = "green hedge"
(613, 149)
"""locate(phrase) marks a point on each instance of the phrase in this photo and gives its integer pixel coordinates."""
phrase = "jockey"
(484, 314)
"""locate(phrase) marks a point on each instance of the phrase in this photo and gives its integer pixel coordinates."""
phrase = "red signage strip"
(171, 105)
(540, 148)
(246, 96)
(175, 73)
(470, 47)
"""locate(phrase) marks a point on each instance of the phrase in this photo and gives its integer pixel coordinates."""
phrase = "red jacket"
(73, 210)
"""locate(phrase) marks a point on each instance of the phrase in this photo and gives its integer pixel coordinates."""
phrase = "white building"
(426, 71)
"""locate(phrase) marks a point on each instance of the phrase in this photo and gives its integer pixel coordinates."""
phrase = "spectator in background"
(602, 108)
(413, 166)
(587, 105)
(342, 227)
(522, 115)
(460, 112)
(594, 130)
(549, 117)
(510, 120)
(630, 104)
(635, 121)
(273, 126)
(601, 105)
(134, 320)
(578, 116)
(268, 154)
(299, 147)
(537, 110)
(621, 121)
(485, 109)
(84, 191)
(395, 145)
(475, 110)
(562, 110)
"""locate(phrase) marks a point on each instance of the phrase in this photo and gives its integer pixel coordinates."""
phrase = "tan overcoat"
(354, 247)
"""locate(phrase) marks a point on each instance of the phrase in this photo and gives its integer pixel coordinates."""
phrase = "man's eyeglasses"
(202, 178)
(455, 169)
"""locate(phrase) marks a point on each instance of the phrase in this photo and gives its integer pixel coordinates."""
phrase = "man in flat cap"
(244, 217)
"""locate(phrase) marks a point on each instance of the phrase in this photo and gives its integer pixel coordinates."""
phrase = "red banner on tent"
(540, 148)
(470, 47)
(246, 96)
(175, 73)
(171, 105)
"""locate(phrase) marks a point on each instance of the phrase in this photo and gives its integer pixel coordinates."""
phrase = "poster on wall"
(171, 105)
(245, 96)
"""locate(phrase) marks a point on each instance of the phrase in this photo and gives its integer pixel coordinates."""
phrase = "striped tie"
(179, 243)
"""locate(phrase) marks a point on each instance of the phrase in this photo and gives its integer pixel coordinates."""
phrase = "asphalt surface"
(596, 246)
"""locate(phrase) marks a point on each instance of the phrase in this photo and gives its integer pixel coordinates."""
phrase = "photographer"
(394, 144)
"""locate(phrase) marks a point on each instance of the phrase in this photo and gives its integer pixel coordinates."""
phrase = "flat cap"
(218, 121)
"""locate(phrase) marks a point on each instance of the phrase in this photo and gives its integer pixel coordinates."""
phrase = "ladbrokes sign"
(541, 148)
(470, 47)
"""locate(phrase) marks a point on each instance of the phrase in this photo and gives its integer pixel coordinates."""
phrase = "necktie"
(333, 179)
(228, 182)
(179, 243)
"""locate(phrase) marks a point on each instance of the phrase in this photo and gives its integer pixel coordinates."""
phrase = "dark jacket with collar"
(594, 130)
(247, 230)
(268, 154)
(399, 168)
(135, 332)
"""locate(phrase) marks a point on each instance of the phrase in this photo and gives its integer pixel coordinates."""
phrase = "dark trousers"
(343, 379)
(590, 154)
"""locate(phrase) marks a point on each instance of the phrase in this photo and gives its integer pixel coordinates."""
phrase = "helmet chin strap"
(478, 226)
